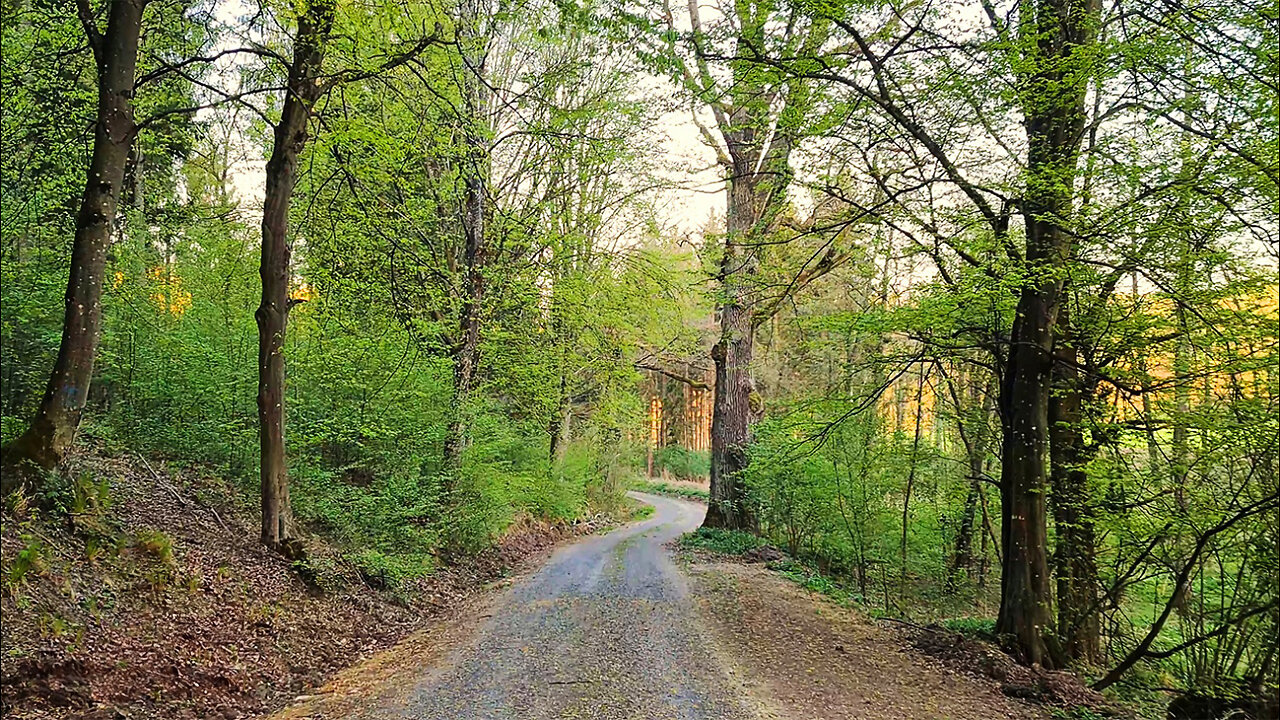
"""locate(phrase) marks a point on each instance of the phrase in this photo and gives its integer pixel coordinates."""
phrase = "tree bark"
(972, 422)
(475, 252)
(1025, 616)
(962, 557)
(560, 426)
(1053, 100)
(290, 137)
(758, 122)
(44, 444)
(1075, 560)
(732, 406)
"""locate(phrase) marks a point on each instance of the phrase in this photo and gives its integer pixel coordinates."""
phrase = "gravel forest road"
(603, 630)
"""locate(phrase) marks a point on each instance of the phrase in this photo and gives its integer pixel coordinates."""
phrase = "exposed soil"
(808, 658)
(164, 605)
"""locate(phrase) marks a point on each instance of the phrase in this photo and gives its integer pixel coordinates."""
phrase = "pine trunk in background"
(290, 138)
(45, 442)
(1074, 556)
(1061, 33)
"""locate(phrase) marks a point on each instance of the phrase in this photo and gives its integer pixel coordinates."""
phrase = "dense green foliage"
(887, 276)
(369, 382)
(681, 462)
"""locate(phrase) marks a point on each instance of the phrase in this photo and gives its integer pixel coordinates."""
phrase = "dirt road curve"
(603, 630)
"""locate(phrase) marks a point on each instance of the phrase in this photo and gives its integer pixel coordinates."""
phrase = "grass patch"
(661, 488)
(155, 544)
(725, 542)
(976, 627)
(635, 510)
(736, 542)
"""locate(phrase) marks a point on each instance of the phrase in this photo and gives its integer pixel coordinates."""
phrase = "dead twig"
(178, 496)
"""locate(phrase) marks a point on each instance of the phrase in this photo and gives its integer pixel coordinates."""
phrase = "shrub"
(155, 544)
(683, 463)
(972, 626)
(389, 572)
(725, 542)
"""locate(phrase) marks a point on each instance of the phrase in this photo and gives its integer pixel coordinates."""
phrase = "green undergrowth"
(983, 628)
(805, 573)
(809, 578)
(658, 487)
(683, 463)
(737, 542)
(725, 542)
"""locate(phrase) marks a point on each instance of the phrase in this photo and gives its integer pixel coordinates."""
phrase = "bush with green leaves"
(682, 463)
(725, 542)
(661, 488)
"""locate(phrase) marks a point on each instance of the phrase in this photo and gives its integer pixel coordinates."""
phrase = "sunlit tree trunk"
(45, 442)
(290, 137)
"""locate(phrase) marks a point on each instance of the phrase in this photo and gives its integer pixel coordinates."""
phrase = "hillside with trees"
(321, 318)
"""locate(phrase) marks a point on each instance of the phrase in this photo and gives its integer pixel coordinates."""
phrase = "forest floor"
(617, 626)
(813, 659)
(155, 600)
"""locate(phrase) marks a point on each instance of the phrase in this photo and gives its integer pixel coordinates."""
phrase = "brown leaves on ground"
(165, 605)
(964, 654)
(810, 659)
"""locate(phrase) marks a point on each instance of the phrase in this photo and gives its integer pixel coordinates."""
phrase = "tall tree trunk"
(45, 442)
(475, 171)
(972, 424)
(758, 121)
(962, 556)
(1026, 617)
(1053, 99)
(1144, 384)
(911, 481)
(1075, 558)
(1181, 465)
(562, 418)
(302, 91)
(735, 403)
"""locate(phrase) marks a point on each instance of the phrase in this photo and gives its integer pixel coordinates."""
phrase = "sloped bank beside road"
(155, 600)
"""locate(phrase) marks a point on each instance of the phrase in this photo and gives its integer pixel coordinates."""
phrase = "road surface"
(603, 630)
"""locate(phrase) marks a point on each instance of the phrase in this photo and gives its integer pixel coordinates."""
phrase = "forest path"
(604, 629)
(609, 628)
